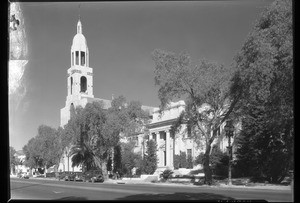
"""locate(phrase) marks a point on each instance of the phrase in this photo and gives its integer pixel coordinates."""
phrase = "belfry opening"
(83, 85)
(82, 59)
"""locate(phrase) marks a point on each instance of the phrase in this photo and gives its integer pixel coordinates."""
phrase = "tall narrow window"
(82, 58)
(72, 58)
(71, 84)
(83, 84)
(77, 57)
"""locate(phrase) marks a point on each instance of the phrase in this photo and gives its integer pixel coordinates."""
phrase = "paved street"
(63, 190)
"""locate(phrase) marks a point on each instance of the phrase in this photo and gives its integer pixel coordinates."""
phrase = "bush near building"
(218, 161)
(166, 174)
(149, 162)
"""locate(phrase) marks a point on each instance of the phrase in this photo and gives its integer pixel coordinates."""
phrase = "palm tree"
(83, 155)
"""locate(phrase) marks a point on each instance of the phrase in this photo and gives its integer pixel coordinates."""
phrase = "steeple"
(79, 27)
(79, 49)
(80, 75)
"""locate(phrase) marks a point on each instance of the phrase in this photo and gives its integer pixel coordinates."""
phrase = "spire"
(79, 26)
(79, 11)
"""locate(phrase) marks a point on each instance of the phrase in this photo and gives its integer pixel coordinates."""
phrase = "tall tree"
(33, 157)
(71, 135)
(204, 87)
(265, 78)
(48, 145)
(150, 158)
(88, 124)
(12, 159)
(130, 159)
(117, 159)
(98, 130)
(44, 150)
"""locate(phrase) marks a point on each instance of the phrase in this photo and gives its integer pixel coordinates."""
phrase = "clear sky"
(120, 37)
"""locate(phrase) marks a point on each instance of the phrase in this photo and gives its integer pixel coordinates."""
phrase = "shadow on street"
(177, 196)
(31, 185)
(72, 198)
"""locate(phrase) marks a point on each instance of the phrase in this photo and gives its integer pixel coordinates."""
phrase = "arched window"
(71, 84)
(83, 84)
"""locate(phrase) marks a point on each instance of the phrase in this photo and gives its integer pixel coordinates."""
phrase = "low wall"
(149, 178)
(131, 179)
(185, 179)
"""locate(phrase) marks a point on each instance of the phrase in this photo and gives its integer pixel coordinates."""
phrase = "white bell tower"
(80, 76)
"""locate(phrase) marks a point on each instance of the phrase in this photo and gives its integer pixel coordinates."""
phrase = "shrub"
(181, 161)
(167, 174)
(50, 175)
(189, 162)
(176, 161)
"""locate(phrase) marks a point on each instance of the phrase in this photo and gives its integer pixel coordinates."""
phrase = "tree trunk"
(45, 170)
(206, 167)
(104, 170)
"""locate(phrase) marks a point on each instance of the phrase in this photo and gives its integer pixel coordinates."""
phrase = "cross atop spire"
(79, 11)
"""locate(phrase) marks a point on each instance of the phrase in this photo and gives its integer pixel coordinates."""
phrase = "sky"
(121, 37)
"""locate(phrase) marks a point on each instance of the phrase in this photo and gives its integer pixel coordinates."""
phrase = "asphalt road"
(64, 190)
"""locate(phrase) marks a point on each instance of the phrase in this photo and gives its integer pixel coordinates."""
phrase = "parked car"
(70, 176)
(65, 176)
(23, 175)
(78, 176)
(93, 176)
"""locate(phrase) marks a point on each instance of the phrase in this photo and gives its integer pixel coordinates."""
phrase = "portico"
(160, 131)
(165, 147)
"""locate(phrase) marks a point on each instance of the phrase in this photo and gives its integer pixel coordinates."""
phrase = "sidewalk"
(111, 181)
(268, 187)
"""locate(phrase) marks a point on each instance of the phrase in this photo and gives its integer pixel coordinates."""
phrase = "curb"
(207, 186)
(187, 185)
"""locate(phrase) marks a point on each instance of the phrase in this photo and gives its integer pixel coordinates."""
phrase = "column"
(158, 150)
(79, 59)
(168, 148)
(85, 58)
(150, 136)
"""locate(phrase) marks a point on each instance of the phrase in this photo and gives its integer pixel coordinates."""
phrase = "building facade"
(80, 92)
(79, 89)
(171, 143)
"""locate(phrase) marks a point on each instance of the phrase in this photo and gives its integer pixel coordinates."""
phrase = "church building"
(80, 88)
(80, 92)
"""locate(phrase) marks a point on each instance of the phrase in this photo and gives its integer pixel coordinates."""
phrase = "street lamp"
(229, 128)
